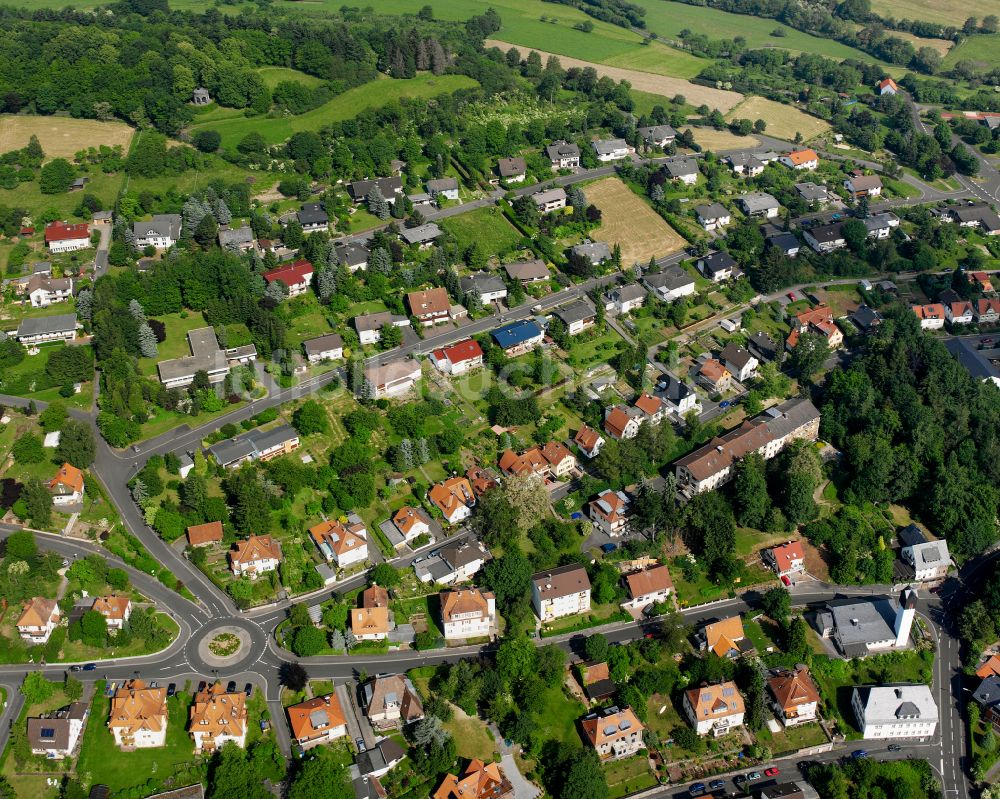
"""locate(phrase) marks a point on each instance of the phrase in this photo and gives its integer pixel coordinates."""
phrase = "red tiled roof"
(587, 437)
(60, 231)
(786, 553)
(459, 353)
(291, 275)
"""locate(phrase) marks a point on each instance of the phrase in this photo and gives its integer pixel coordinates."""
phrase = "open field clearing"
(233, 125)
(61, 137)
(715, 140)
(984, 51)
(783, 121)
(935, 10)
(943, 46)
(648, 82)
(628, 221)
(660, 59)
(272, 76)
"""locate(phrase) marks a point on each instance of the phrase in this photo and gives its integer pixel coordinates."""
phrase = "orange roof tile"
(68, 476)
(315, 717)
(204, 533)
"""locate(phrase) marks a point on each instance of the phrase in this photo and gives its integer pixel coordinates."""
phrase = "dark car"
(859, 754)
(248, 689)
(697, 789)
(716, 785)
(607, 548)
(89, 666)
(76, 668)
(895, 748)
(172, 689)
(231, 687)
(201, 685)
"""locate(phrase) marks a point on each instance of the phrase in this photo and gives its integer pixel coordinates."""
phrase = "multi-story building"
(739, 361)
(563, 591)
(217, 717)
(478, 780)
(468, 613)
(38, 619)
(713, 216)
(548, 200)
(577, 316)
(138, 717)
(454, 498)
(861, 627)
(44, 291)
(62, 237)
(611, 149)
(391, 701)
(563, 155)
(255, 445)
(622, 423)
(800, 160)
(373, 620)
(725, 638)
(66, 487)
(255, 556)
(794, 695)
(932, 316)
(613, 732)
(343, 544)
(818, 320)
(55, 735)
(648, 587)
(457, 359)
(411, 523)
(553, 461)
(929, 558)
(518, 337)
(717, 709)
(895, 711)
(316, 721)
(625, 299)
(43, 329)
(206, 356)
(369, 326)
(162, 231)
(786, 560)
(429, 306)
(392, 379)
(115, 609)
(609, 512)
(296, 277)
(589, 441)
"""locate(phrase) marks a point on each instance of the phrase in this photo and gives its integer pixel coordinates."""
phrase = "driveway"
(522, 788)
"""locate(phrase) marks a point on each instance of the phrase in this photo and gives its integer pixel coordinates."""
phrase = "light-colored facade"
(467, 613)
(564, 591)
(38, 619)
(613, 733)
(138, 717)
(895, 711)
(717, 709)
(217, 717)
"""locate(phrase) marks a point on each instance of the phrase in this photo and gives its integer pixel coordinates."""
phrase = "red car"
(785, 580)
(772, 772)
(791, 296)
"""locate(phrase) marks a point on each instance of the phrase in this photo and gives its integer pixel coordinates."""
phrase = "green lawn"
(472, 737)
(27, 195)
(590, 349)
(791, 739)
(176, 343)
(28, 379)
(103, 762)
(487, 226)
(659, 59)
(983, 49)
(272, 76)
(194, 179)
(233, 125)
(628, 776)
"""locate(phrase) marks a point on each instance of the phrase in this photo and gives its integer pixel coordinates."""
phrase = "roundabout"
(230, 644)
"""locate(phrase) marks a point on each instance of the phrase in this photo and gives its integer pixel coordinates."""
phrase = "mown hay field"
(61, 137)
(783, 121)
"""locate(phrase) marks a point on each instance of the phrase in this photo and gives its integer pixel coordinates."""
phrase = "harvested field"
(646, 81)
(783, 121)
(628, 221)
(934, 10)
(943, 46)
(61, 137)
(716, 140)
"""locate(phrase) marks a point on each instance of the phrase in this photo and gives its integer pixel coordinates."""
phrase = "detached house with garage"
(800, 160)
(369, 326)
(563, 591)
(429, 306)
(549, 200)
(718, 266)
(255, 556)
(648, 587)
(62, 237)
(443, 187)
(717, 709)
(528, 272)
(458, 358)
(324, 348)
(342, 544)
(518, 337)
(390, 701)
(394, 379)
(670, 284)
(56, 735)
(611, 149)
(625, 299)
(759, 204)
(512, 170)
(795, 696)
(317, 721)
(683, 170)
(658, 135)
(577, 316)
(162, 231)
(489, 287)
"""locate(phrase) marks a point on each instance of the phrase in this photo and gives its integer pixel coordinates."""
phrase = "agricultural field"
(487, 226)
(935, 10)
(648, 82)
(631, 223)
(61, 136)
(984, 51)
(783, 121)
(272, 76)
(942, 46)
(233, 125)
(716, 140)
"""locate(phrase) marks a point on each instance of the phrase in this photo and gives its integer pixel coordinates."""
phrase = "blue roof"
(516, 333)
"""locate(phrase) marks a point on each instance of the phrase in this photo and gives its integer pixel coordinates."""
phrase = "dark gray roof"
(527, 270)
(711, 211)
(483, 282)
(241, 235)
(379, 756)
(352, 254)
(757, 201)
(442, 184)
(763, 344)
(866, 318)
(976, 362)
(608, 146)
(312, 214)
(360, 189)
(42, 325)
(789, 415)
(561, 149)
(720, 261)
(786, 242)
(631, 291)
(420, 234)
(159, 225)
(825, 234)
(679, 167)
(735, 354)
(988, 692)
(372, 321)
(251, 443)
(596, 251)
(657, 132)
(330, 341)
(672, 389)
(863, 621)
(460, 555)
(511, 167)
(575, 312)
(809, 191)
(673, 277)
(911, 535)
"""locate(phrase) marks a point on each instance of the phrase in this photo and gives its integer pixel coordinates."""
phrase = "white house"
(115, 609)
(895, 711)
(609, 512)
(800, 159)
(62, 237)
(739, 361)
(467, 613)
(712, 216)
(670, 284)
(864, 185)
(716, 709)
(38, 619)
(611, 149)
(343, 544)
(648, 587)
(795, 696)
(624, 299)
(959, 313)
(43, 329)
(459, 358)
(679, 397)
(324, 348)
(550, 199)
(55, 735)
(218, 717)
(931, 316)
(589, 441)
(138, 717)
(162, 231)
(317, 721)
(563, 591)
(394, 379)
(443, 187)
(255, 556)
(454, 498)
(489, 287)
(787, 559)
(44, 291)
(66, 487)
(928, 557)
(296, 277)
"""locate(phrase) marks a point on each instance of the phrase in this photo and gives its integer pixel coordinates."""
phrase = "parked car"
(76, 668)
(697, 789)
(89, 666)
(859, 754)
(172, 689)
(773, 771)
(785, 580)
(895, 748)
(231, 687)
(791, 296)
(753, 776)
(716, 785)
(248, 689)
(360, 743)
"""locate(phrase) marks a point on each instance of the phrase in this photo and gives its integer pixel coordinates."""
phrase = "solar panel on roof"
(48, 732)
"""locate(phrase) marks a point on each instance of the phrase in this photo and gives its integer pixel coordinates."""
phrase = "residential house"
(670, 284)
(324, 348)
(759, 204)
(625, 299)
(658, 135)
(454, 563)
(459, 358)
(679, 397)
(115, 609)
(648, 587)
(254, 556)
(651, 408)
(218, 717)
(712, 216)
(411, 523)
(482, 480)
(489, 287)
(240, 239)
(563, 591)
(44, 291)
(512, 170)
(162, 231)
(621, 423)
(589, 441)
(369, 326)
(528, 272)
(429, 306)
(717, 709)
(826, 238)
(763, 346)
(38, 619)
(861, 627)
(577, 316)
(296, 277)
(684, 170)
(769, 433)
(66, 487)
(786, 243)
(422, 235)
(373, 620)
(880, 226)
(982, 281)
(609, 512)
(393, 379)
(987, 311)
(55, 735)
(596, 681)
(717, 266)
(745, 164)
(478, 780)
(467, 613)
(818, 320)
(390, 188)
(931, 316)
(987, 696)
(895, 711)
(812, 193)
(138, 717)
(888, 86)
(613, 732)
(200, 535)
(989, 667)
(563, 155)
(553, 460)
(43, 329)
(786, 560)
(863, 186)
(379, 760)
(255, 445)
(800, 159)
(959, 313)
(550, 199)
(715, 376)
(597, 252)
(63, 237)
(979, 216)
(443, 187)
(611, 149)
(725, 638)
(866, 319)
(316, 721)
(739, 362)
(929, 557)
(795, 697)
(206, 356)
(340, 543)
(454, 498)
(518, 337)
(391, 701)
(352, 254)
